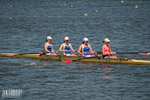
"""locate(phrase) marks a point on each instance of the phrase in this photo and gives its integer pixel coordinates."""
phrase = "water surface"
(25, 25)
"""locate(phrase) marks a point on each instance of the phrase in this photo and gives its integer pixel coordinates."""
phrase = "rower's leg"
(73, 55)
(92, 55)
(53, 54)
(114, 57)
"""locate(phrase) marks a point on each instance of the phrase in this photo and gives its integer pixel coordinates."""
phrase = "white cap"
(49, 37)
(66, 38)
(85, 39)
(106, 40)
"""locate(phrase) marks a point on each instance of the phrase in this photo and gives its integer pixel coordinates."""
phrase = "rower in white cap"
(65, 47)
(106, 50)
(85, 49)
(49, 47)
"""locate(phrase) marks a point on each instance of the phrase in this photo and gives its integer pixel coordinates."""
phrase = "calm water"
(25, 24)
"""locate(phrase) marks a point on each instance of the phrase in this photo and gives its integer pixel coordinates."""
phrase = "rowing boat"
(79, 59)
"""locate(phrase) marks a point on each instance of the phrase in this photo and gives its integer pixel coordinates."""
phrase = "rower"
(65, 47)
(85, 49)
(48, 46)
(106, 50)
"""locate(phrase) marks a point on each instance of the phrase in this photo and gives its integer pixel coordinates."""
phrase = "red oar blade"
(144, 53)
(67, 61)
(9, 55)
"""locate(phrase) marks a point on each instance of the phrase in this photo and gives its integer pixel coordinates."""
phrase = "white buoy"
(85, 14)
(136, 6)
(71, 6)
(10, 17)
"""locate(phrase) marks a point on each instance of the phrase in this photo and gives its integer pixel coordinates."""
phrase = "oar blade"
(144, 53)
(9, 55)
(67, 61)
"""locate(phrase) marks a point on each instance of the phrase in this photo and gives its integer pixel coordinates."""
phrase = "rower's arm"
(79, 50)
(72, 48)
(46, 50)
(91, 49)
(53, 49)
(110, 49)
(61, 48)
(112, 52)
(103, 50)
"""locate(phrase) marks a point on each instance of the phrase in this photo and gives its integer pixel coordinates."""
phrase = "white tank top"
(83, 47)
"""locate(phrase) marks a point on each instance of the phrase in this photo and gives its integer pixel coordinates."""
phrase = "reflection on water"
(107, 70)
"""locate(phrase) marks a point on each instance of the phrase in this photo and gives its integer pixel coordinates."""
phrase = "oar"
(70, 61)
(141, 53)
(11, 54)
